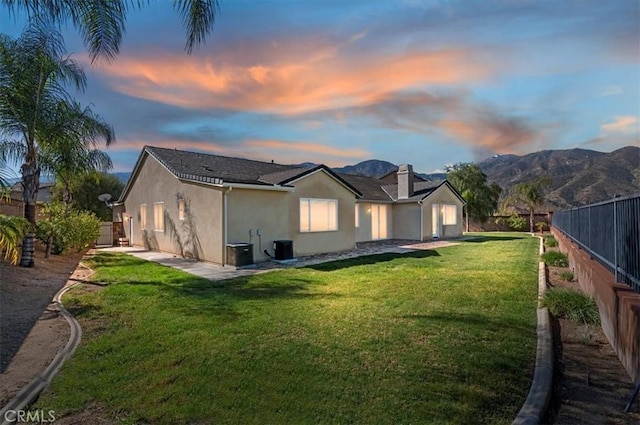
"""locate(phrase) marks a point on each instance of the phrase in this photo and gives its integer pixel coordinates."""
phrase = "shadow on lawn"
(490, 238)
(369, 260)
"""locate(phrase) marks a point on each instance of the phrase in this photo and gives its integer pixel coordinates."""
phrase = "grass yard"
(442, 336)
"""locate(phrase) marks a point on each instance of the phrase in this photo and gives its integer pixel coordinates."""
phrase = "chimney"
(405, 181)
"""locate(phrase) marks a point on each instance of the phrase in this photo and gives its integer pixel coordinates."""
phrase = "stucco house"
(195, 204)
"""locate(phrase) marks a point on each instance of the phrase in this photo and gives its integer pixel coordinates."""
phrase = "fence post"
(589, 229)
(615, 238)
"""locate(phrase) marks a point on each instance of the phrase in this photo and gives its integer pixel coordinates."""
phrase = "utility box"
(240, 254)
(283, 249)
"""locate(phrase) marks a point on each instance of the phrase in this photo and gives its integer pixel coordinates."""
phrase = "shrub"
(540, 226)
(572, 305)
(555, 258)
(550, 241)
(566, 275)
(66, 228)
(12, 230)
(516, 222)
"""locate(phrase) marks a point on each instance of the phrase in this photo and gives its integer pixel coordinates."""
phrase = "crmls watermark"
(30, 416)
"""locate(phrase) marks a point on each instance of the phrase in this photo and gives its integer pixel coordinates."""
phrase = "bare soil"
(590, 385)
(31, 329)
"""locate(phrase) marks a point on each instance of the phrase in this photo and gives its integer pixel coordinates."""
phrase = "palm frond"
(198, 17)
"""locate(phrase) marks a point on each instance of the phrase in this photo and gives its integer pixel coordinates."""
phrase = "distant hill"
(578, 176)
(371, 168)
(124, 177)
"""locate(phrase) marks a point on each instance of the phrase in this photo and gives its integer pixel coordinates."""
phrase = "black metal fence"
(610, 232)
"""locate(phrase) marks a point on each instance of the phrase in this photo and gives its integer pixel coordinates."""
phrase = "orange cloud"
(288, 79)
(621, 124)
(491, 134)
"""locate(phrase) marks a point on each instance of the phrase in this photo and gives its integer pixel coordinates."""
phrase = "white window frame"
(181, 210)
(309, 220)
(158, 219)
(143, 216)
(357, 215)
(449, 215)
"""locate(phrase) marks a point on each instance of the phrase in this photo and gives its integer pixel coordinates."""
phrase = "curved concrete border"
(30, 392)
(535, 406)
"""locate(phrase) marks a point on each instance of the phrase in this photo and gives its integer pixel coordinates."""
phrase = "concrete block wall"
(619, 306)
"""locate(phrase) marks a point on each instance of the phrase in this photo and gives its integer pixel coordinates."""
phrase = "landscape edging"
(29, 393)
(535, 406)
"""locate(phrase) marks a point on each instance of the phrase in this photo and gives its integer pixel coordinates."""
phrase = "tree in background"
(70, 149)
(35, 72)
(528, 196)
(481, 197)
(87, 187)
(102, 23)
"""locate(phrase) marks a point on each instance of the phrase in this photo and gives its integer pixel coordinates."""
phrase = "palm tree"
(102, 23)
(12, 230)
(529, 195)
(70, 148)
(35, 72)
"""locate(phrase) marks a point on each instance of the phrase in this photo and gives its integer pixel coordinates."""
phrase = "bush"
(540, 226)
(66, 228)
(572, 305)
(550, 241)
(566, 275)
(516, 222)
(555, 258)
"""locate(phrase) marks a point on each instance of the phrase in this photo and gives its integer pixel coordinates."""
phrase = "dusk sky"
(337, 82)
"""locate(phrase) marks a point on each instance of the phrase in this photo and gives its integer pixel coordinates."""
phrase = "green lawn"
(442, 336)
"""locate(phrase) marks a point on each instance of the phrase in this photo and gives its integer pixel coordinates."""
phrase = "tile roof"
(421, 190)
(214, 168)
(370, 187)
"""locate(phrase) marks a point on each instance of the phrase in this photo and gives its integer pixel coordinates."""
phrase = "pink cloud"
(289, 77)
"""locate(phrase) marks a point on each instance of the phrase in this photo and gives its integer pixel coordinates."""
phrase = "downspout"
(225, 225)
(421, 221)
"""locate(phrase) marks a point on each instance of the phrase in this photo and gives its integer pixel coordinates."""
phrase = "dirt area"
(591, 386)
(31, 330)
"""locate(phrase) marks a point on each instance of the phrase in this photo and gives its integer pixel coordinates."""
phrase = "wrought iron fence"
(610, 232)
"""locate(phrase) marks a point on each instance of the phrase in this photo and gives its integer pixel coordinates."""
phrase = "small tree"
(481, 197)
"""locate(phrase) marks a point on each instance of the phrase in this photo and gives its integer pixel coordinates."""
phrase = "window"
(357, 215)
(181, 209)
(143, 216)
(318, 215)
(449, 215)
(158, 216)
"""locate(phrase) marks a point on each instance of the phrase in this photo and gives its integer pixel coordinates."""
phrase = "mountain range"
(578, 176)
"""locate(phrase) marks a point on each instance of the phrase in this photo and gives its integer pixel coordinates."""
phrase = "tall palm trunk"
(30, 183)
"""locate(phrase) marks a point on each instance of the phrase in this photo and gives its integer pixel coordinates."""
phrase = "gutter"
(276, 188)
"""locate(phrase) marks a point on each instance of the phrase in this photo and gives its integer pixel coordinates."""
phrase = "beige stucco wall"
(321, 185)
(363, 231)
(406, 221)
(442, 195)
(199, 235)
(255, 210)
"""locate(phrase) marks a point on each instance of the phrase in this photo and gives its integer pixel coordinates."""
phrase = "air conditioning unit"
(283, 249)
